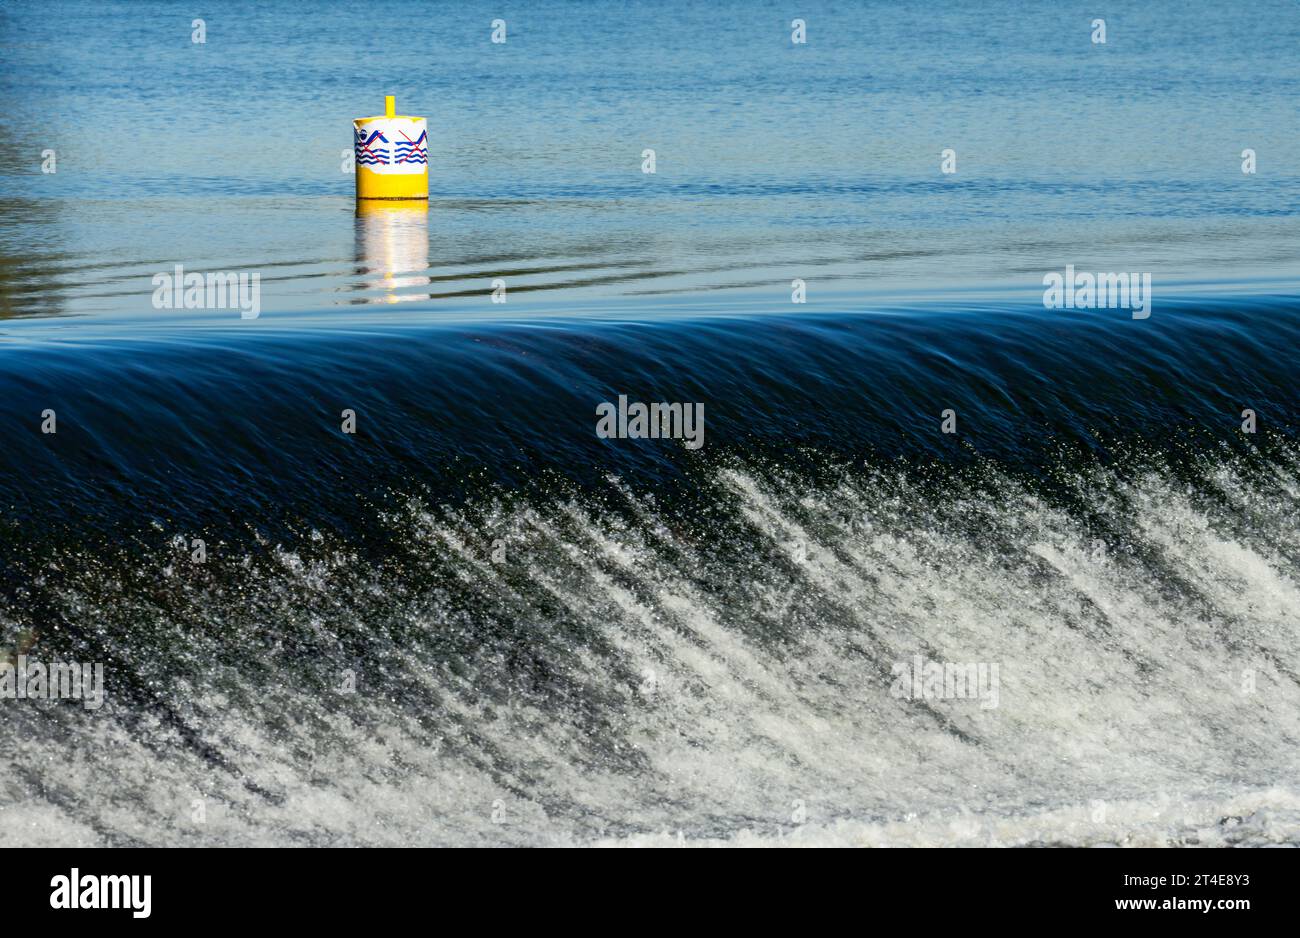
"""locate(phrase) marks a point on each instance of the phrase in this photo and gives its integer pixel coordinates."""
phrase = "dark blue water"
(474, 620)
(211, 426)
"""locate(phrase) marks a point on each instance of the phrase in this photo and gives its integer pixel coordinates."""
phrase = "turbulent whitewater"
(605, 670)
(475, 621)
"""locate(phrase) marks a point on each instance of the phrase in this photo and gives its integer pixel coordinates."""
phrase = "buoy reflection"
(393, 248)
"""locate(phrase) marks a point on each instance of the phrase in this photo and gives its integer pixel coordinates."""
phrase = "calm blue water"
(559, 638)
(774, 161)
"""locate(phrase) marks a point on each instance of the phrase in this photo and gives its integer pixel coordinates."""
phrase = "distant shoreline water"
(1157, 151)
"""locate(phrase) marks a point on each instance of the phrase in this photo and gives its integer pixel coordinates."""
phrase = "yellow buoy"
(392, 155)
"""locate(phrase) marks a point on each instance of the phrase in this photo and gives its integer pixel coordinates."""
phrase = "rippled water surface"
(773, 160)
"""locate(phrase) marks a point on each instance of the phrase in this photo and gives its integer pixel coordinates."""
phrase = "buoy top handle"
(390, 112)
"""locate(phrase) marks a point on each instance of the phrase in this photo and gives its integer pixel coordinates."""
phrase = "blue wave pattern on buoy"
(371, 154)
(412, 151)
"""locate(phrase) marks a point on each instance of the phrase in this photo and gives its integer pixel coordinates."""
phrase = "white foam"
(711, 680)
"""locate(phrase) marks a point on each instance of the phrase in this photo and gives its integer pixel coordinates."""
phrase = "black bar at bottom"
(336, 888)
